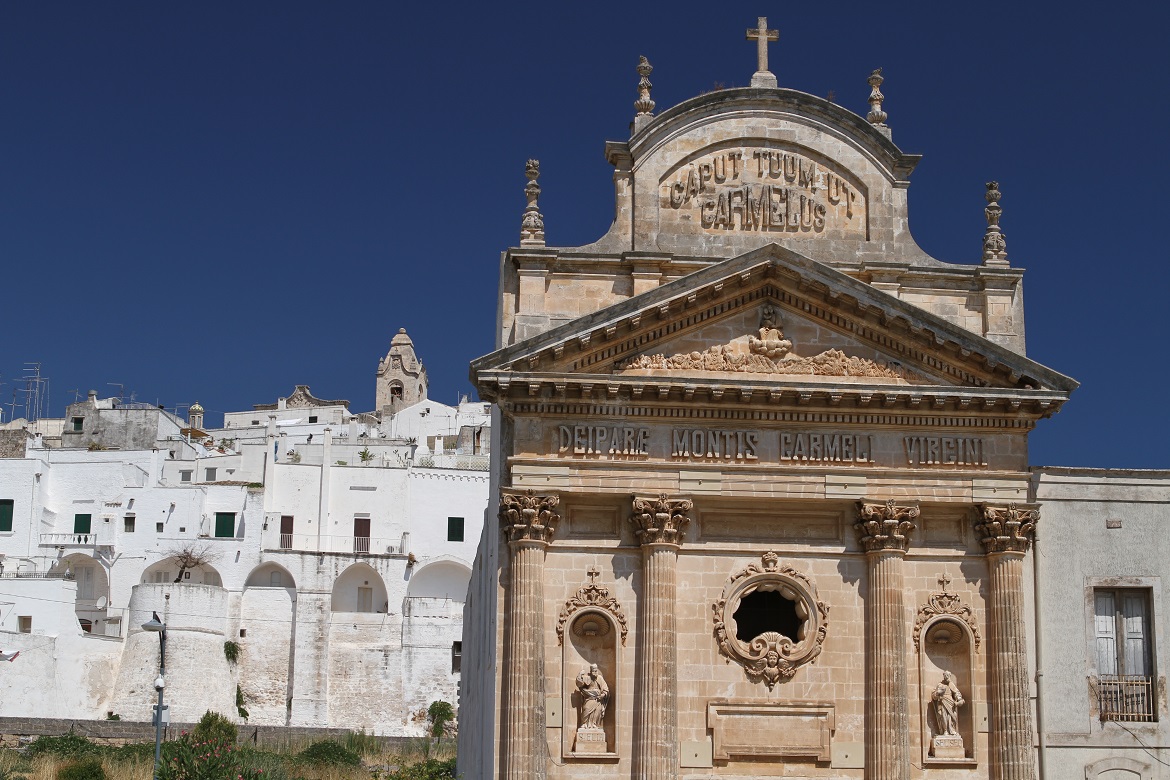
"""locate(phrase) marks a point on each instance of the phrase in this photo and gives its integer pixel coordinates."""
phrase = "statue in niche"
(771, 342)
(594, 692)
(946, 699)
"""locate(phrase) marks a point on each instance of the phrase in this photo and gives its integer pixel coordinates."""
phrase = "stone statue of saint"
(594, 697)
(947, 700)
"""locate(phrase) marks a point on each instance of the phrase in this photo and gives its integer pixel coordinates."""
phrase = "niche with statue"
(592, 629)
(947, 638)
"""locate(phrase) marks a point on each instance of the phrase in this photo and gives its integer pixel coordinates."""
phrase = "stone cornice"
(1008, 529)
(660, 520)
(584, 393)
(527, 517)
(885, 527)
(923, 341)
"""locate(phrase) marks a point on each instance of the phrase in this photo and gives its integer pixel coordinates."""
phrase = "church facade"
(762, 480)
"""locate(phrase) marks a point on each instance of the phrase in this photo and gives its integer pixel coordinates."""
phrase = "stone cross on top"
(762, 77)
(593, 573)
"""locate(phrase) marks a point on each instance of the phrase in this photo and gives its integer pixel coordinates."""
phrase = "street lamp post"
(159, 627)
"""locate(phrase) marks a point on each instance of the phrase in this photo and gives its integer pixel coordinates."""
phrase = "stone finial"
(644, 105)
(660, 520)
(532, 226)
(876, 115)
(994, 244)
(883, 527)
(527, 517)
(763, 78)
(1006, 529)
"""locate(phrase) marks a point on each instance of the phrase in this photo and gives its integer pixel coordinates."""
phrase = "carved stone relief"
(1007, 529)
(945, 603)
(593, 695)
(771, 656)
(885, 526)
(945, 701)
(660, 520)
(528, 517)
(592, 598)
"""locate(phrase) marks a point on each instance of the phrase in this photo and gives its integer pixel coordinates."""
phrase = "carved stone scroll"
(528, 517)
(771, 657)
(885, 526)
(945, 603)
(1007, 529)
(660, 520)
(595, 598)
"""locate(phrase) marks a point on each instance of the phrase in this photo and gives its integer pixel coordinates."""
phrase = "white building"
(335, 553)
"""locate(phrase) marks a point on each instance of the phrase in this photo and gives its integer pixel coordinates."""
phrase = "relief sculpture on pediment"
(769, 352)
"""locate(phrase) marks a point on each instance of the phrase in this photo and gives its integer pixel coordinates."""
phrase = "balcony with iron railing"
(1127, 697)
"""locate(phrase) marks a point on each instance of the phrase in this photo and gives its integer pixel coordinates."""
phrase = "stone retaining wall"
(15, 732)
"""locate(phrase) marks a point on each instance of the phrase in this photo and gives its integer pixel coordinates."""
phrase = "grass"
(417, 759)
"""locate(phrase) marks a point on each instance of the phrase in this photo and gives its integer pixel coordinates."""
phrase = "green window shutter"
(454, 529)
(225, 525)
(81, 524)
(6, 514)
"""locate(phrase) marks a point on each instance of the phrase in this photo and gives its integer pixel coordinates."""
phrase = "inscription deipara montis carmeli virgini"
(765, 190)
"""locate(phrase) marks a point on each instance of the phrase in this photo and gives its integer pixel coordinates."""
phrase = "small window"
(158, 528)
(82, 524)
(24, 623)
(225, 525)
(312, 418)
(6, 506)
(78, 422)
(456, 657)
(1126, 685)
(454, 529)
(185, 475)
(255, 422)
(274, 579)
(209, 475)
(186, 575)
(182, 529)
(128, 524)
(243, 633)
(162, 576)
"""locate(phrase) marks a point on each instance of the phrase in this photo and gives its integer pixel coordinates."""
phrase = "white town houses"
(333, 548)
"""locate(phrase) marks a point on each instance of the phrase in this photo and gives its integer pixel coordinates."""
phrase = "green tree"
(439, 714)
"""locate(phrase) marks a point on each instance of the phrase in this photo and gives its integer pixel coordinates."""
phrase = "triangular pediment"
(771, 317)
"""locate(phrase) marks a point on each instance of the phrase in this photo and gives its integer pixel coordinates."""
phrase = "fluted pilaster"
(529, 522)
(659, 524)
(884, 532)
(1007, 533)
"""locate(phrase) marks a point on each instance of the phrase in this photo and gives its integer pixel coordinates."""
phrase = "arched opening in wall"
(93, 589)
(590, 661)
(395, 391)
(270, 575)
(438, 588)
(769, 610)
(947, 695)
(359, 589)
(170, 570)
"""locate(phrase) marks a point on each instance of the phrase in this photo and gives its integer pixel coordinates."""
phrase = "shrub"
(240, 710)
(231, 651)
(64, 746)
(213, 727)
(89, 769)
(194, 759)
(439, 714)
(362, 743)
(431, 769)
(329, 752)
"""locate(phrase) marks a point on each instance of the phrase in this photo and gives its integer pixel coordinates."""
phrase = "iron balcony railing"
(1127, 697)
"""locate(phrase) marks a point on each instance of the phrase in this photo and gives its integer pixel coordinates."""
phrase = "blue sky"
(218, 201)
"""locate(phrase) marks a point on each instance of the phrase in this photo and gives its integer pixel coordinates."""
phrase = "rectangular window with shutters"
(82, 524)
(454, 529)
(1123, 632)
(225, 525)
(128, 524)
(456, 657)
(6, 508)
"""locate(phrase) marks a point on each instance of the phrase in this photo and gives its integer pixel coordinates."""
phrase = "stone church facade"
(762, 476)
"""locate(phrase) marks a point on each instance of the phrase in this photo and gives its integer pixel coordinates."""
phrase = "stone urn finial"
(994, 243)
(876, 98)
(532, 225)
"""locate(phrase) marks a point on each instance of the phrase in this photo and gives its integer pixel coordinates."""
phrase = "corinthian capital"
(1006, 529)
(885, 526)
(660, 520)
(528, 517)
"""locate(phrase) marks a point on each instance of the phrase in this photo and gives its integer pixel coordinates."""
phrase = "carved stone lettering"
(765, 190)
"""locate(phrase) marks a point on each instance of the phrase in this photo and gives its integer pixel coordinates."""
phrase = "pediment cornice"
(595, 344)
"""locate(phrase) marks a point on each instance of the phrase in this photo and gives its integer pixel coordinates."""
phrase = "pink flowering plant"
(189, 758)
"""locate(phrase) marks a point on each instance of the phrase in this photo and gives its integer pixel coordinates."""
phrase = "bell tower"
(401, 379)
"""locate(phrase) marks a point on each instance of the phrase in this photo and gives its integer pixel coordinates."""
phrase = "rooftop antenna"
(76, 394)
(35, 392)
(121, 388)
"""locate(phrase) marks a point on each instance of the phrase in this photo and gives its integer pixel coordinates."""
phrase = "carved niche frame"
(946, 616)
(592, 613)
(771, 657)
